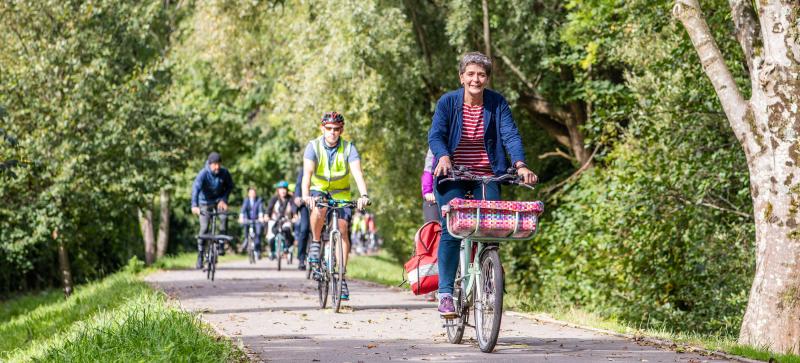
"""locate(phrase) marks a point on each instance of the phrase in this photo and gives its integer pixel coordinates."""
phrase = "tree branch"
(559, 153)
(747, 28)
(522, 77)
(734, 105)
(555, 129)
(536, 104)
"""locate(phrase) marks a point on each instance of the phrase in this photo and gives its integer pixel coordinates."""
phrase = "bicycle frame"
(470, 271)
(333, 230)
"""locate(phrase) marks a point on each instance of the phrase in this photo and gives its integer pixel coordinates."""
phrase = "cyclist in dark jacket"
(210, 192)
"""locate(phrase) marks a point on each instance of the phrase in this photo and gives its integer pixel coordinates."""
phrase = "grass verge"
(721, 343)
(380, 268)
(384, 270)
(117, 319)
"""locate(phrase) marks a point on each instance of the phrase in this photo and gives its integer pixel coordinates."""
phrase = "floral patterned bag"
(492, 219)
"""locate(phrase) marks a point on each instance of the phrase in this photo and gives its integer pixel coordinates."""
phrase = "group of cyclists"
(471, 127)
(329, 161)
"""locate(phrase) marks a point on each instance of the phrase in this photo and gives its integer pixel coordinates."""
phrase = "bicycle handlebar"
(334, 203)
(215, 213)
(461, 173)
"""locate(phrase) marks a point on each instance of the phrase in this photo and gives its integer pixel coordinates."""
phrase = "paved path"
(277, 318)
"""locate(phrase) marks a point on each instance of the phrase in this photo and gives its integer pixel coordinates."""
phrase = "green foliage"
(82, 85)
(660, 236)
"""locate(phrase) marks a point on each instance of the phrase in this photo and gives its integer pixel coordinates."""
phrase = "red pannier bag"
(423, 268)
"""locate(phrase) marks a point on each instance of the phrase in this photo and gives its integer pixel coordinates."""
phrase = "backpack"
(423, 267)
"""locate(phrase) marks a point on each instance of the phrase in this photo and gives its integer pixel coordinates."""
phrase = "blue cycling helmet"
(281, 184)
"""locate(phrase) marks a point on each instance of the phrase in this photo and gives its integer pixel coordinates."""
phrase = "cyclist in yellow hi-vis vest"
(328, 163)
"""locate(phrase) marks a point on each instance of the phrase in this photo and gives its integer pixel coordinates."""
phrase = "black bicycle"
(332, 269)
(250, 238)
(210, 244)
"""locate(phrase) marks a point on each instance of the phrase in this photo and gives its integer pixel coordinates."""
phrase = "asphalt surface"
(275, 315)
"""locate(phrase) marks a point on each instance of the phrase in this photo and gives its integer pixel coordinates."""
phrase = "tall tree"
(768, 128)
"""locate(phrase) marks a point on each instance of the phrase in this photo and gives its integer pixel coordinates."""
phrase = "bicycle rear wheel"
(338, 272)
(489, 305)
(455, 327)
(322, 287)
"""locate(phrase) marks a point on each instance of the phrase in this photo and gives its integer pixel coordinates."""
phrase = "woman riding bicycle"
(473, 128)
(280, 211)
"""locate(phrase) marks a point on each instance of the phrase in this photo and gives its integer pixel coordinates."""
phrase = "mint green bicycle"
(480, 279)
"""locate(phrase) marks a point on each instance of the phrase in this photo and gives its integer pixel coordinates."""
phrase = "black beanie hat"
(214, 157)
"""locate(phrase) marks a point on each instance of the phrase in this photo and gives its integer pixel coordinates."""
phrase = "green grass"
(187, 260)
(22, 304)
(380, 268)
(117, 319)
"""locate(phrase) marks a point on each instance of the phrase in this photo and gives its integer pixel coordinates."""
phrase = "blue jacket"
(209, 189)
(257, 207)
(500, 132)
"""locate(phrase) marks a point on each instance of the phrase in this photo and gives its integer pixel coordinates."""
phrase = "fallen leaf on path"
(370, 346)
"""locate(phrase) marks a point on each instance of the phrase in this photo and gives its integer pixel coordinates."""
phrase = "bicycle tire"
(279, 249)
(455, 327)
(338, 274)
(214, 254)
(489, 307)
(251, 250)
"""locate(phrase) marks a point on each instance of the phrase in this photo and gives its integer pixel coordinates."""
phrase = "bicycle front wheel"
(207, 256)
(489, 305)
(213, 263)
(338, 271)
(251, 251)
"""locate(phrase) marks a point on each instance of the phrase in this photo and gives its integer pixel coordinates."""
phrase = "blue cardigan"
(445, 132)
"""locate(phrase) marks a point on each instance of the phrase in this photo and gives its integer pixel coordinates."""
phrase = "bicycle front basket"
(492, 219)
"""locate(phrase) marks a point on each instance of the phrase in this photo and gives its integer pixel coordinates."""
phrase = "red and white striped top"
(471, 152)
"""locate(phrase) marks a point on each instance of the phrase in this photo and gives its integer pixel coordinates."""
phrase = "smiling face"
(474, 79)
(332, 132)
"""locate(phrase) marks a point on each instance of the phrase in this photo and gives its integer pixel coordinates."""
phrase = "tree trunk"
(146, 225)
(768, 127)
(163, 225)
(63, 265)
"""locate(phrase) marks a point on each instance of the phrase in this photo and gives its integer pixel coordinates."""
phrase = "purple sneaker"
(446, 307)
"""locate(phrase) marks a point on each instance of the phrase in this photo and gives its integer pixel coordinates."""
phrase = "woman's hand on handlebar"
(527, 176)
(362, 202)
(196, 210)
(443, 167)
(222, 206)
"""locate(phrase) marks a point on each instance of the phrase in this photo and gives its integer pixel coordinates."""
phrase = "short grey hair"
(475, 58)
